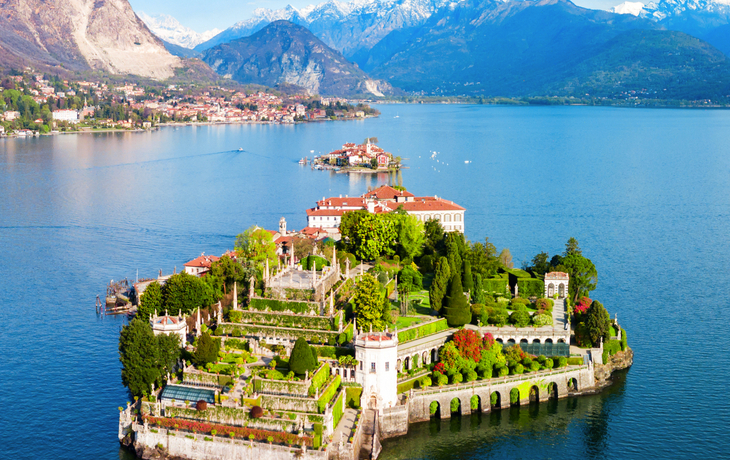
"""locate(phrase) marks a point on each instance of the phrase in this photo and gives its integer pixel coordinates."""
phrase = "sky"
(222, 14)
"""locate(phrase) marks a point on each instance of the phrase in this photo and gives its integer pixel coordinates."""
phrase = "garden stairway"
(368, 431)
(559, 314)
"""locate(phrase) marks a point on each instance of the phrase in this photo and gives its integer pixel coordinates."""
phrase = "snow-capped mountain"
(633, 8)
(169, 29)
(345, 26)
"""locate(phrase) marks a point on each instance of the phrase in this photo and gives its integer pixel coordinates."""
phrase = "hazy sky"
(221, 14)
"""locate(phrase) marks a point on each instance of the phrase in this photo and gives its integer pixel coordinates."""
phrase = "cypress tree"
(439, 284)
(468, 279)
(457, 311)
(300, 360)
(598, 323)
(478, 292)
(206, 351)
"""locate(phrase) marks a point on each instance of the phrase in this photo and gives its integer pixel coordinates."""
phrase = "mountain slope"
(284, 52)
(81, 35)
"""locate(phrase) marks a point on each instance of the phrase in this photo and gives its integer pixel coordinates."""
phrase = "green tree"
(598, 323)
(369, 304)
(583, 275)
(183, 293)
(468, 279)
(455, 251)
(456, 311)
(226, 271)
(434, 237)
(372, 236)
(257, 245)
(150, 302)
(139, 354)
(484, 259)
(301, 359)
(410, 236)
(571, 247)
(478, 291)
(206, 351)
(540, 263)
(168, 347)
(439, 284)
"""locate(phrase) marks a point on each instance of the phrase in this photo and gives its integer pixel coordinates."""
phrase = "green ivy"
(337, 410)
(423, 330)
(328, 394)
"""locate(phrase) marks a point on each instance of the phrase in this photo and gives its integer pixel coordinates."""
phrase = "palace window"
(372, 368)
(387, 366)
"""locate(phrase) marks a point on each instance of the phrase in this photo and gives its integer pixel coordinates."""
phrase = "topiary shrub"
(542, 320)
(201, 405)
(548, 364)
(485, 372)
(457, 310)
(518, 369)
(471, 376)
(302, 358)
(502, 370)
(520, 318)
(623, 339)
(562, 361)
(256, 412)
(498, 316)
(426, 382)
(442, 380)
(535, 366)
(457, 378)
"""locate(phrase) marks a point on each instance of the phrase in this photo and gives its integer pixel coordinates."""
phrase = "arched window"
(457, 218)
(447, 217)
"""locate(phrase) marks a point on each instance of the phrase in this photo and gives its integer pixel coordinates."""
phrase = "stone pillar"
(197, 324)
(235, 295)
(220, 312)
(347, 268)
(250, 288)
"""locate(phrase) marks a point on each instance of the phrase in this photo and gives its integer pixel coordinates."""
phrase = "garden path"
(559, 314)
(368, 431)
(344, 428)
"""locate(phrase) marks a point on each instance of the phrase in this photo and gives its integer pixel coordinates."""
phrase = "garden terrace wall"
(219, 447)
(274, 305)
(281, 387)
(232, 416)
(422, 330)
(203, 378)
(289, 403)
(276, 332)
(291, 320)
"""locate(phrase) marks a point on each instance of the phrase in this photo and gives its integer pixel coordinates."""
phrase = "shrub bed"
(239, 330)
(307, 308)
(353, 395)
(423, 330)
(286, 320)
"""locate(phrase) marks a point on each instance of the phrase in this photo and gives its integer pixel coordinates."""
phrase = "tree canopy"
(440, 283)
(583, 275)
(151, 301)
(598, 323)
(139, 355)
(183, 293)
(257, 245)
(369, 304)
(368, 236)
(456, 311)
(206, 351)
(301, 359)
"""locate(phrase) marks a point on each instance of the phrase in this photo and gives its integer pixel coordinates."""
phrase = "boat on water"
(240, 149)
(303, 161)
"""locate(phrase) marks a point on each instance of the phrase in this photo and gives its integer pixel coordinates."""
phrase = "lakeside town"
(34, 104)
(321, 342)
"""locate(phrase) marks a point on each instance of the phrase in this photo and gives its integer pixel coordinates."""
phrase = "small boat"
(240, 149)
(302, 161)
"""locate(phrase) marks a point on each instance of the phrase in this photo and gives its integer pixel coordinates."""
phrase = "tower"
(377, 353)
(282, 226)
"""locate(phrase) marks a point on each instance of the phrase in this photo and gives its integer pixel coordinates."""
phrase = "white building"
(377, 353)
(71, 116)
(11, 115)
(170, 325)
(328, 212)
(200, 265)
(556, 283)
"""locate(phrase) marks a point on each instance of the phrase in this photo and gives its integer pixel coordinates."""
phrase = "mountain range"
(286, 53)
(81, 35)
(171, 31)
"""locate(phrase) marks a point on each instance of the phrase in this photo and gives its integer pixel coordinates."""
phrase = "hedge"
(575, 361)
(317, 442)
(328, 393)
(325, 351)
(623, 340)
(272, 331)
(353, 395)
(280, 387)
(285, 320)
(317, 261)
(319, 378)
(495, 285)
(283, 305)
(337, 410)
(530, 287)
(422, 330)
(612, 346)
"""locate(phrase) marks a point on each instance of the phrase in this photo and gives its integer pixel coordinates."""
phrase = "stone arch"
(551, 290)
(398, 365)
(573, 384)
(495, 399)
(523, 340)
(535, 340)
(414, 361)
(500, 341)
(514, 396)
(510, 343)
(552, 390)
(434, 355)
(455, 406)
(407, 363)
(561, 340)
(434, 409)
(425, 358)
(476, 403)
(534, 394)
(548, 340)
(561, 290)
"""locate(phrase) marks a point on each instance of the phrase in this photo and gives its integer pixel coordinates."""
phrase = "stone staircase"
(368, 431)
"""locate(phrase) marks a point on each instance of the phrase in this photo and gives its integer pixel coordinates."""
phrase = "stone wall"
(393, 421)
(621, 360)
(218, 448)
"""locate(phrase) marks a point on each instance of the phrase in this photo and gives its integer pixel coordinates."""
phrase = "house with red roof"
(200, 265)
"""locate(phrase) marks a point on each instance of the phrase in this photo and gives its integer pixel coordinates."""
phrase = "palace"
(327, 214)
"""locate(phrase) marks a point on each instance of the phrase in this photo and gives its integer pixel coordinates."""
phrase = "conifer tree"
(440, 283)
(467, 278)
(598, 323)
(300, 360)
(206, 351)
(457, 311)
(477, 295)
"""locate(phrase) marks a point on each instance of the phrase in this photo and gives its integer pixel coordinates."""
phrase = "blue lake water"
(646, 193)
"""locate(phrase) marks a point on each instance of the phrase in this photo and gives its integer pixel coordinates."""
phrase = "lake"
(645, 192)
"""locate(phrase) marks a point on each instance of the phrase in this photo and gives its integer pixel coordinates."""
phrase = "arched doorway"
(552, 390)
(434, 355)
(551, 290)
(495, 400)
(534, 394)
(573, 384)
(398, 365)
(407, 364)
(561, 290)
(425, 357)
(456, 406)
(475, 403)
(435, 409)
(514, 397)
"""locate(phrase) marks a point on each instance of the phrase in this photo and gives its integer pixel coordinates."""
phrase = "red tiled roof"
(340, 202)
(556, 276)
(428, 203)
(387, 192)
(326, 212)
(202, 261)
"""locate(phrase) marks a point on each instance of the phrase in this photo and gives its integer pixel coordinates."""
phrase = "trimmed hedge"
(575, 361)
(317, 442)
(319, 378)
(530, 287)
(337, 410)
(307, 308)
(325, 351)
(328, 394)
(353, 395)
(495, 285)
(323, 323)
(423, 330)
(239, 330)
(612, 346)
(623, 340)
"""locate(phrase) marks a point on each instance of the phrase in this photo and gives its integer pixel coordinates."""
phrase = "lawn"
(407, 321)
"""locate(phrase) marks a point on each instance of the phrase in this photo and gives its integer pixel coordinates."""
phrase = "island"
(319, 344)
(358, 158)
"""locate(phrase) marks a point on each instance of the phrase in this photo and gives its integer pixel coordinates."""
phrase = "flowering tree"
(469, 344)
